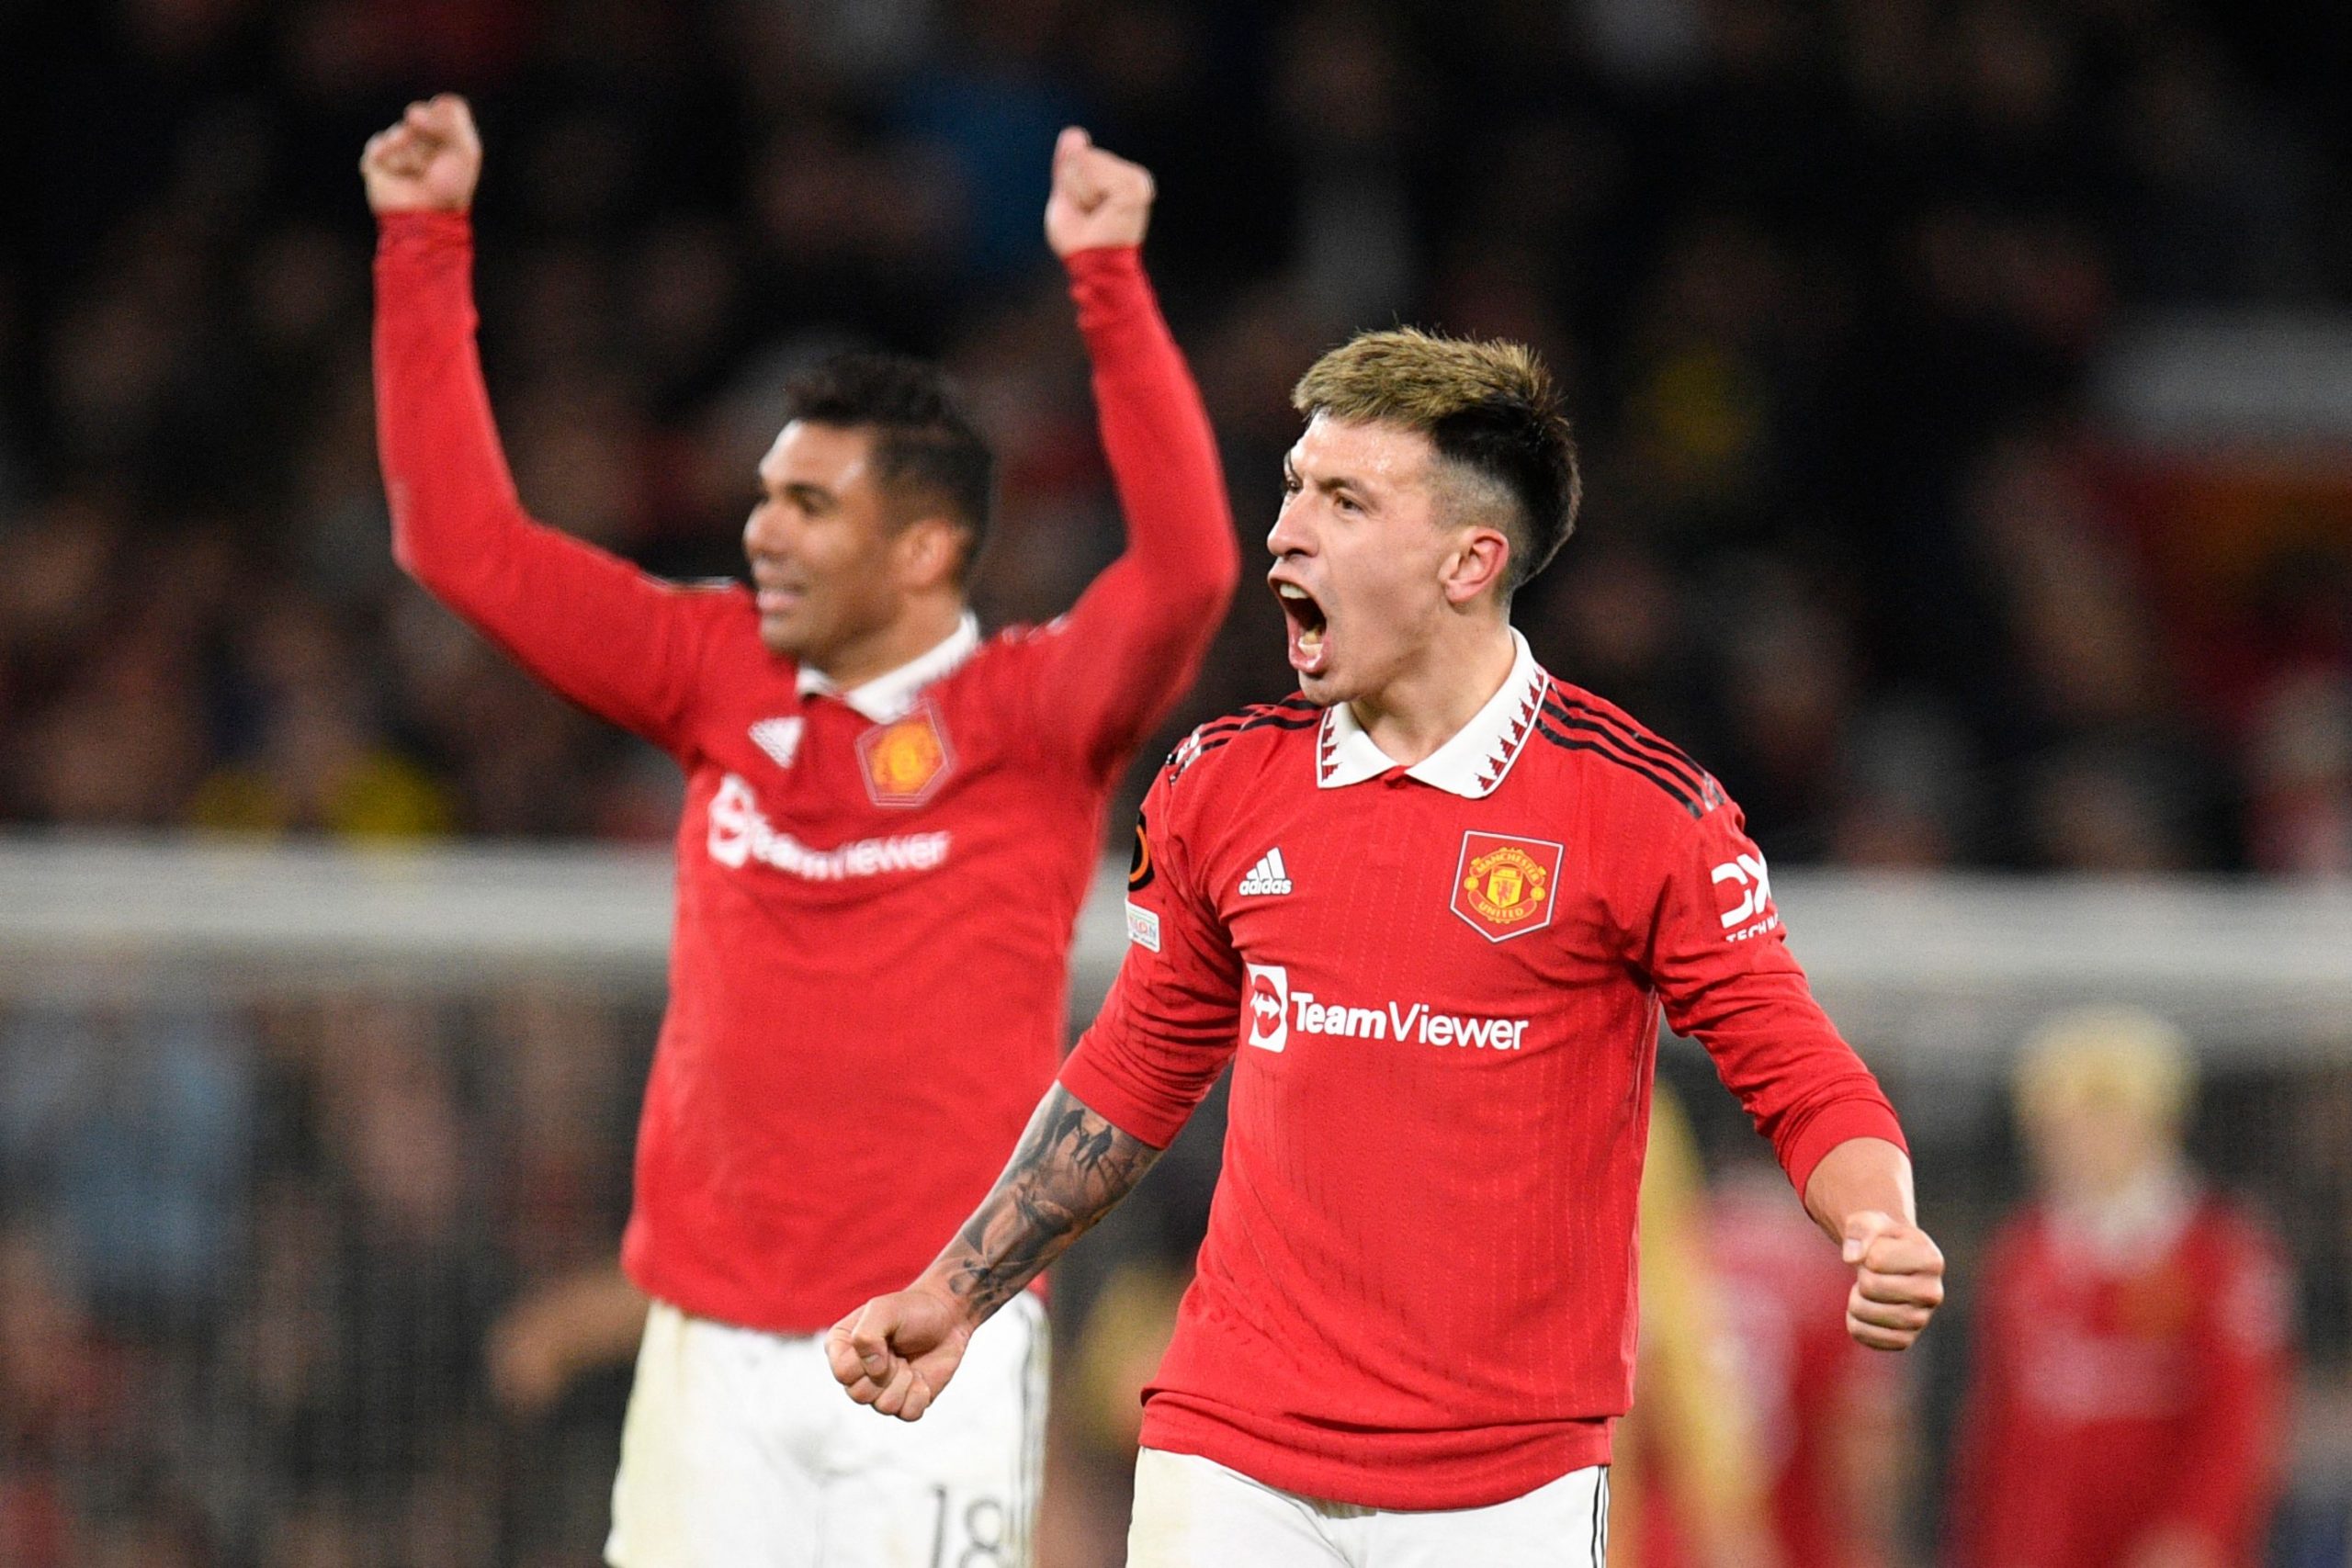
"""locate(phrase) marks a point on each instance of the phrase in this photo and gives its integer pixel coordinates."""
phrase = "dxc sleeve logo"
(1755, 884)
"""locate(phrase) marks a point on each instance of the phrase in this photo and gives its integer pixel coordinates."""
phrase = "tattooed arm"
(897, 1352)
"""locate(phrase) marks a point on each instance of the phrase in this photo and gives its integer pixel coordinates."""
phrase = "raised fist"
(1099, 198)
(427, 161)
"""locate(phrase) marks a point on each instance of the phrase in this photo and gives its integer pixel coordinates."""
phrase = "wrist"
(1099, 260)
(963, 1309)
(425, 220)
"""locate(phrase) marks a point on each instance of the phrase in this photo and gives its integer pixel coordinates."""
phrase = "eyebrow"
(1329, 482)
(801, 490)
(1334, 484)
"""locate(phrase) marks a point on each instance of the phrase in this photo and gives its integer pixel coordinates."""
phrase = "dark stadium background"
(1894, 518)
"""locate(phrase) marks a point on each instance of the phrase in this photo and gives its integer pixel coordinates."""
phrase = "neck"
(925, 624)
(1426, 706)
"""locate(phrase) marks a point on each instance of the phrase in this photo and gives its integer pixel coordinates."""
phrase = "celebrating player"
(889, 824)
(1429, 907)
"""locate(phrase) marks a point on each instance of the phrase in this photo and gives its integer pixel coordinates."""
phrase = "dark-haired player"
(889, 824)
(1429, 907)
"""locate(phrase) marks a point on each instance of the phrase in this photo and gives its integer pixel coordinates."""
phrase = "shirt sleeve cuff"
(425, 232)
(1083, 1075)
(1841, 1121)
(1109, 284)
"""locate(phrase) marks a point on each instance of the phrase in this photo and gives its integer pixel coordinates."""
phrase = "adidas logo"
(779, 737)
(1269, 876)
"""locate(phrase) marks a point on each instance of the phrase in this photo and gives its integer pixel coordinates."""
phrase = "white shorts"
(1195, 1513)
(742, 1451)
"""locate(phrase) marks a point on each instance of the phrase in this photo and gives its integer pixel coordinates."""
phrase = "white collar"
(892, 694)
(1472, 764)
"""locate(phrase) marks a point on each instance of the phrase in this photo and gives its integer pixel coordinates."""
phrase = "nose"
(763, 529)
(1291, 533)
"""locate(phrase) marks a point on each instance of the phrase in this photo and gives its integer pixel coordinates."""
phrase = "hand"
(897, 1352)
(1098, 199)
(558, 1330)
(1898, 1280)
(427, 161)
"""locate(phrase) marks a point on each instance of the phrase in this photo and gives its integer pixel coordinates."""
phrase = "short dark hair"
(924, 442)
(1490, 408)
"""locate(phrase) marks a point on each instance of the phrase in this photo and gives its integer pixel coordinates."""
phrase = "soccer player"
(2132, 1370)
(890, 822)
(1429, 907)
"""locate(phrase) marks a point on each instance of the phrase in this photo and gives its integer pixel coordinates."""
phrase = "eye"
(1347, 502)
(1290, 483)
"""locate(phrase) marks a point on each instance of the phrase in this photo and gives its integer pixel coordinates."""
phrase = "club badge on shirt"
(907, 759)
(1503, 886)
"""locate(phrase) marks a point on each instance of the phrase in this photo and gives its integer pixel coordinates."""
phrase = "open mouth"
(1310, 648)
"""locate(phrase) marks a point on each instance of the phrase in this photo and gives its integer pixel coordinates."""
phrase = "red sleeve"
(2223, 1489)
(1133, 641)
(602, 633)
(1714, 949)
(1172, 1020)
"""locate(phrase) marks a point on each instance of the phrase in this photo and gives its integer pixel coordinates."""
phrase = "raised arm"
(592, 625)
(1119, 659)
(1072, 1167)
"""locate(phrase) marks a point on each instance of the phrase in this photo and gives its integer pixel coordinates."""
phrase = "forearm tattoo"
(1070, 1169)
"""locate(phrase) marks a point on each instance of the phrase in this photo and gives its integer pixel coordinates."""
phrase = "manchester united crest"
(1506, 887)
(907, 759)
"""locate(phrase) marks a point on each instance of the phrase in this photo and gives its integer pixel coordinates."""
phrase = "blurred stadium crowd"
(1828, 281)
(1825, 280)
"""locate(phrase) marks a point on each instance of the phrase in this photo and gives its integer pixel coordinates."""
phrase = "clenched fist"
(897, 1352)
(427, 161)
(1898, 1280)
(1099, 198)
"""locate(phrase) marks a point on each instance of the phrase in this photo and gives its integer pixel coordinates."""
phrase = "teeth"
(1290, 592)
(1310, 641)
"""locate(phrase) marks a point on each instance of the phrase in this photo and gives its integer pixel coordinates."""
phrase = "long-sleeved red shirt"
(2121, 1394)
(1439, 988)
(873, 907)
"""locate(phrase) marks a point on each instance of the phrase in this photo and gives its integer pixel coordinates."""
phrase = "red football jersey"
(2124, 1389)
(876, 888)
(1439, 988)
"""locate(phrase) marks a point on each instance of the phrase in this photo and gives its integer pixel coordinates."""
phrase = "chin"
(1324, 690)
(783, 640)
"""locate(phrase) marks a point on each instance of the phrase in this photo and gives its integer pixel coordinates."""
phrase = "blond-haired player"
(2130, 1372)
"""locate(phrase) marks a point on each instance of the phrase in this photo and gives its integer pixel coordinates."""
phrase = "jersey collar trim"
(892, 695)
(1473, 764)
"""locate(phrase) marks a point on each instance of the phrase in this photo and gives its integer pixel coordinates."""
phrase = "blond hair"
(1489, 408)
(2121, 1059)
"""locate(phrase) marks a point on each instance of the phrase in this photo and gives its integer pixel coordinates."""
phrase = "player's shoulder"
(717, 599)
(999, 665)
(724, 612)
(1015, 658)
(1611, 750)
(1240, 743)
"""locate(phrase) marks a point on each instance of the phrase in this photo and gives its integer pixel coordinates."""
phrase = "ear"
(928, 553)
(1477, 566)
